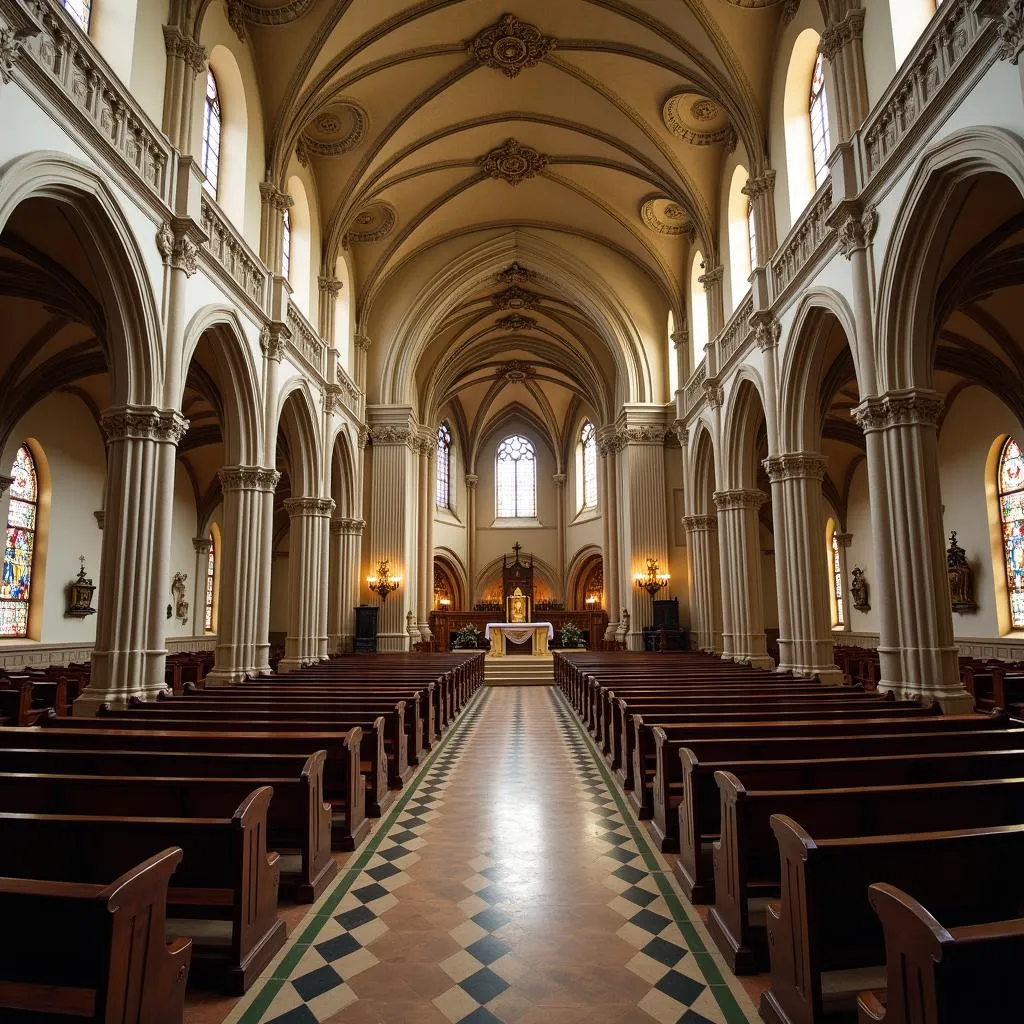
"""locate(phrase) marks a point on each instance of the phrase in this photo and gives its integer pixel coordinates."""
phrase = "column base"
(391, 643)
(952, 702)
(830, 675)
(291, 665)
(610, 630)
(224, 677)
(634, 641)
(756, 661)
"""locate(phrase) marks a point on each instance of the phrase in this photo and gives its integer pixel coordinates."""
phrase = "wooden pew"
(699, 810)
(344, 786)
(826, 942)
(298, 820)
(257, 768)
(938, 975)
(74, 951)
(224, 892)
(746, 858)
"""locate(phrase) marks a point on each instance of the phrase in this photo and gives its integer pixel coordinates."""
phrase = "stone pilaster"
(330, 289)
(426, 450)
(186, 60)
(705, 577)
(471, 544)
(362, 346)
(346, 542)
(681, 353)
(805, 647)
(558, 479)
(760, 190)
(242, 635)
(130, 651)
(842, 44)
(712, 279)
(906, 424)
(609, 445)
(273, 203)
(739, 530)
(308, 539)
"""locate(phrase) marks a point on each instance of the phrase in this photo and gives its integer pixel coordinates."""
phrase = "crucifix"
(517, 547)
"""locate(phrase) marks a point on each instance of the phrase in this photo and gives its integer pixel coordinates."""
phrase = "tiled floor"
(508, 884)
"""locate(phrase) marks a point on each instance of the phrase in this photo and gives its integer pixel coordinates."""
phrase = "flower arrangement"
(570, 635)
(467, 638)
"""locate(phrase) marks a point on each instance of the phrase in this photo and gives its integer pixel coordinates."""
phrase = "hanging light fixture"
(383, 583)
(654, 580)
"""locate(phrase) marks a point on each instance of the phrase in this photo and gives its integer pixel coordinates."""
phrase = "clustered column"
(608, 445)
(906, 424)
(471, 481)
(130, 651)
(740, 552)
(346, 544)
(705, 572)
(186, 59)
(274, 202)
(308, 539)
(796, 484)
(242, 644)
(559, 481)
(427, 451)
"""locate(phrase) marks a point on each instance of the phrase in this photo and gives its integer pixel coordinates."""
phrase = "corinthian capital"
(247, 478)
(739, 499)
(143, 423)
(1009, 18)
(906, 407)
(700, 524)
(795, 466)
(321, 507)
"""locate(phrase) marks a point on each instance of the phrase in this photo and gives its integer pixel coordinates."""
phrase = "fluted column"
(130, 650)
(705, 573)
(607, 443)
(346, 541)
(201, 546)
(309, 521)
(330, 289)
(471, 542)
(186, 60)
(796, 485)
(712, 279)
(906, 423)
(842, 44)
(393, 514)
(244, 491)
(681, 352)
(427, 449)
(742, 588)
(559, 481)
(273, 203)
(760, 189)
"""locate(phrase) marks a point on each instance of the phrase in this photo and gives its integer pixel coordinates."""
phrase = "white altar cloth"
(524, 630)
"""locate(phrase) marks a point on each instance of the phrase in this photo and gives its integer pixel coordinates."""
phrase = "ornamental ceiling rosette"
(515, 297)
(513, 162)
(337, 129)
(371, 224)
(516, 322)
(510, 45)
(666, 217)
(264, 12)
(698, 120)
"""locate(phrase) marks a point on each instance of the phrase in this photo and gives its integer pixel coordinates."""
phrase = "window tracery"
(515, 476)
(212, 125)
(443, 496)
(211, 579)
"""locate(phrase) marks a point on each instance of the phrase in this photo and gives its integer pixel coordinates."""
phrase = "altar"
(519, 632)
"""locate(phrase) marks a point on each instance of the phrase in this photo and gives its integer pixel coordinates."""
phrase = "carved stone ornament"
(515, 322)
(700, 524)
(647, 433)
(760, 185)
(321, 507)
(665, 217)
(248, 478)
(1011, 32)
(513, 162)
(10, 53)
(336, 130)
(179, 45)
(739, 499)
(274, 339)
(767, 331)
(835, 37)
(682, 433)
(391, 434)
(363, 342)
(909, 407)
(714, 393)
(961, 577)
(330, 285)
(856, 231)
(515, 297)
(516, 274)
(859, 590)
(143, 423)
(347, 527)
(472, 480)
(178, 590)
(515, 371)
(372, 224)
(363, 438)
(698, 120)
(795, 466)
(176, 249)
(711, 277)
(510, 45)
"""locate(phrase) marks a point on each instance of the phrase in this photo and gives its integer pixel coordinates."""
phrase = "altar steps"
(519, 670)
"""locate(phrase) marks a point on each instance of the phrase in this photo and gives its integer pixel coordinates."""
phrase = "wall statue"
(859, 591)
(961, 577)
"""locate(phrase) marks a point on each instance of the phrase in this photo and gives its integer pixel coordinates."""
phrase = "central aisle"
(508, 884)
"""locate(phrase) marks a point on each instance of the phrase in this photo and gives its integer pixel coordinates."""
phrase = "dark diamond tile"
(614, 838)
(667, 953)
(693, 1017)
(402, 836)
(491, 919)
(629, 874)
(649, 921)
(353, 918)
(495, 872)
(623, 856)
(317, 982)
(393, 853)
(492, 893)
(681, 988)
(641, 897)
(369, 893)
(487, 949)
(484, 986)
(300, 1015)
(481, 1015)
(382, 871)
(336, 948)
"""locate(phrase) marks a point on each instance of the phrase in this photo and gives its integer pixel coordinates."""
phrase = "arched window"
(80, 10)
(443, 497)
(1011, 515)
(588, 447)
(821, 142)
(212, 125)
(752, 235)
(515, 478)
(836, 567)
(211, 588)
(20, 548)
(286, 245)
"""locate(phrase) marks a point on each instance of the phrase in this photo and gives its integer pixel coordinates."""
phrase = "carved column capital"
(321, 507)
(713, 393)
(767, 330)
(739, 499)
(760, 185)
(836, 36)
(1009, 18)
(855, 228)
(184, 47)
(274, 338)
(843, 540)
(347, 527)
(330, 286)
(682, 432)
(143, 423)
(712, 277)
(12, 47)
(362, 342)
(177, 249)
(906, 407)
(795, 466)
(247, 478)
(202, 545)
(559, 480)
(681, 336)
(700, 524)
(472, 480)
(392, 434)
(645, 433)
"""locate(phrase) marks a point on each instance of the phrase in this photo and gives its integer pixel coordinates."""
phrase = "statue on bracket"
(178, 590)
(961, 577)
(859, 590)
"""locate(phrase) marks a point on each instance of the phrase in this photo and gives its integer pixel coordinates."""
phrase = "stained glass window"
(443, 497)
(211, 575)
(821, 142)
(752, 235)
(837, 581)
(21, 539)
(1011, 511)
(80, 10)
(588, 442)
(211, 134)
(516, 478)
(286, 245)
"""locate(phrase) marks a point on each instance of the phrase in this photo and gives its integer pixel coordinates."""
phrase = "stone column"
(644, 524)
(330, 288)
(427, 448)
(346, 537)
(609, 447)
(362, 346)
(130, 650)
(559, 481)
(245, 491)
(309, 521)
(273, 204)
(712, 279)
(202, 546)
(842, 45)
(742, 589)
(705, 573)
(186, 60)
(471, 544)
(843, 542)
(906, 424)
(394, 519)
(796, 484)
(681, 346)
(760, 190)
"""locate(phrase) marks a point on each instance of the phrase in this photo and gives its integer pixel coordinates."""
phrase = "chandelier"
(383, 583)
(654, 580)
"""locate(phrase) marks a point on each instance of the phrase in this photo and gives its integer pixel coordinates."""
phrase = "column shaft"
(306, 642)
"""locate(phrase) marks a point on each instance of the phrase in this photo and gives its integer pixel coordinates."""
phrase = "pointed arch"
(297, 418)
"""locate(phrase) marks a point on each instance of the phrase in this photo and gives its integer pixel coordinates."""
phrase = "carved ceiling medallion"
(666, 217)
(515, 297)
(515, 371)
(513, 162)
(334, 131)
(516, 274)
(371, 224)
(510, 45)
(698, 120)
(516, 322)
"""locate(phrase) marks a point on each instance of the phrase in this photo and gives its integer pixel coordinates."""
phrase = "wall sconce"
(654, 580)
(444, 602)
(383, 583)
(591, 600)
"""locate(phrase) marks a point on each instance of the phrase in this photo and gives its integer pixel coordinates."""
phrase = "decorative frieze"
(695, 385)
(908, 407)
(295, 507)
(644, 433)
(391, 434)
(736, 332)
(305, 339)
(513, 162)
(143, 423)
(739, 499)
(510, 46)
(795, 466)
(248, 478)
